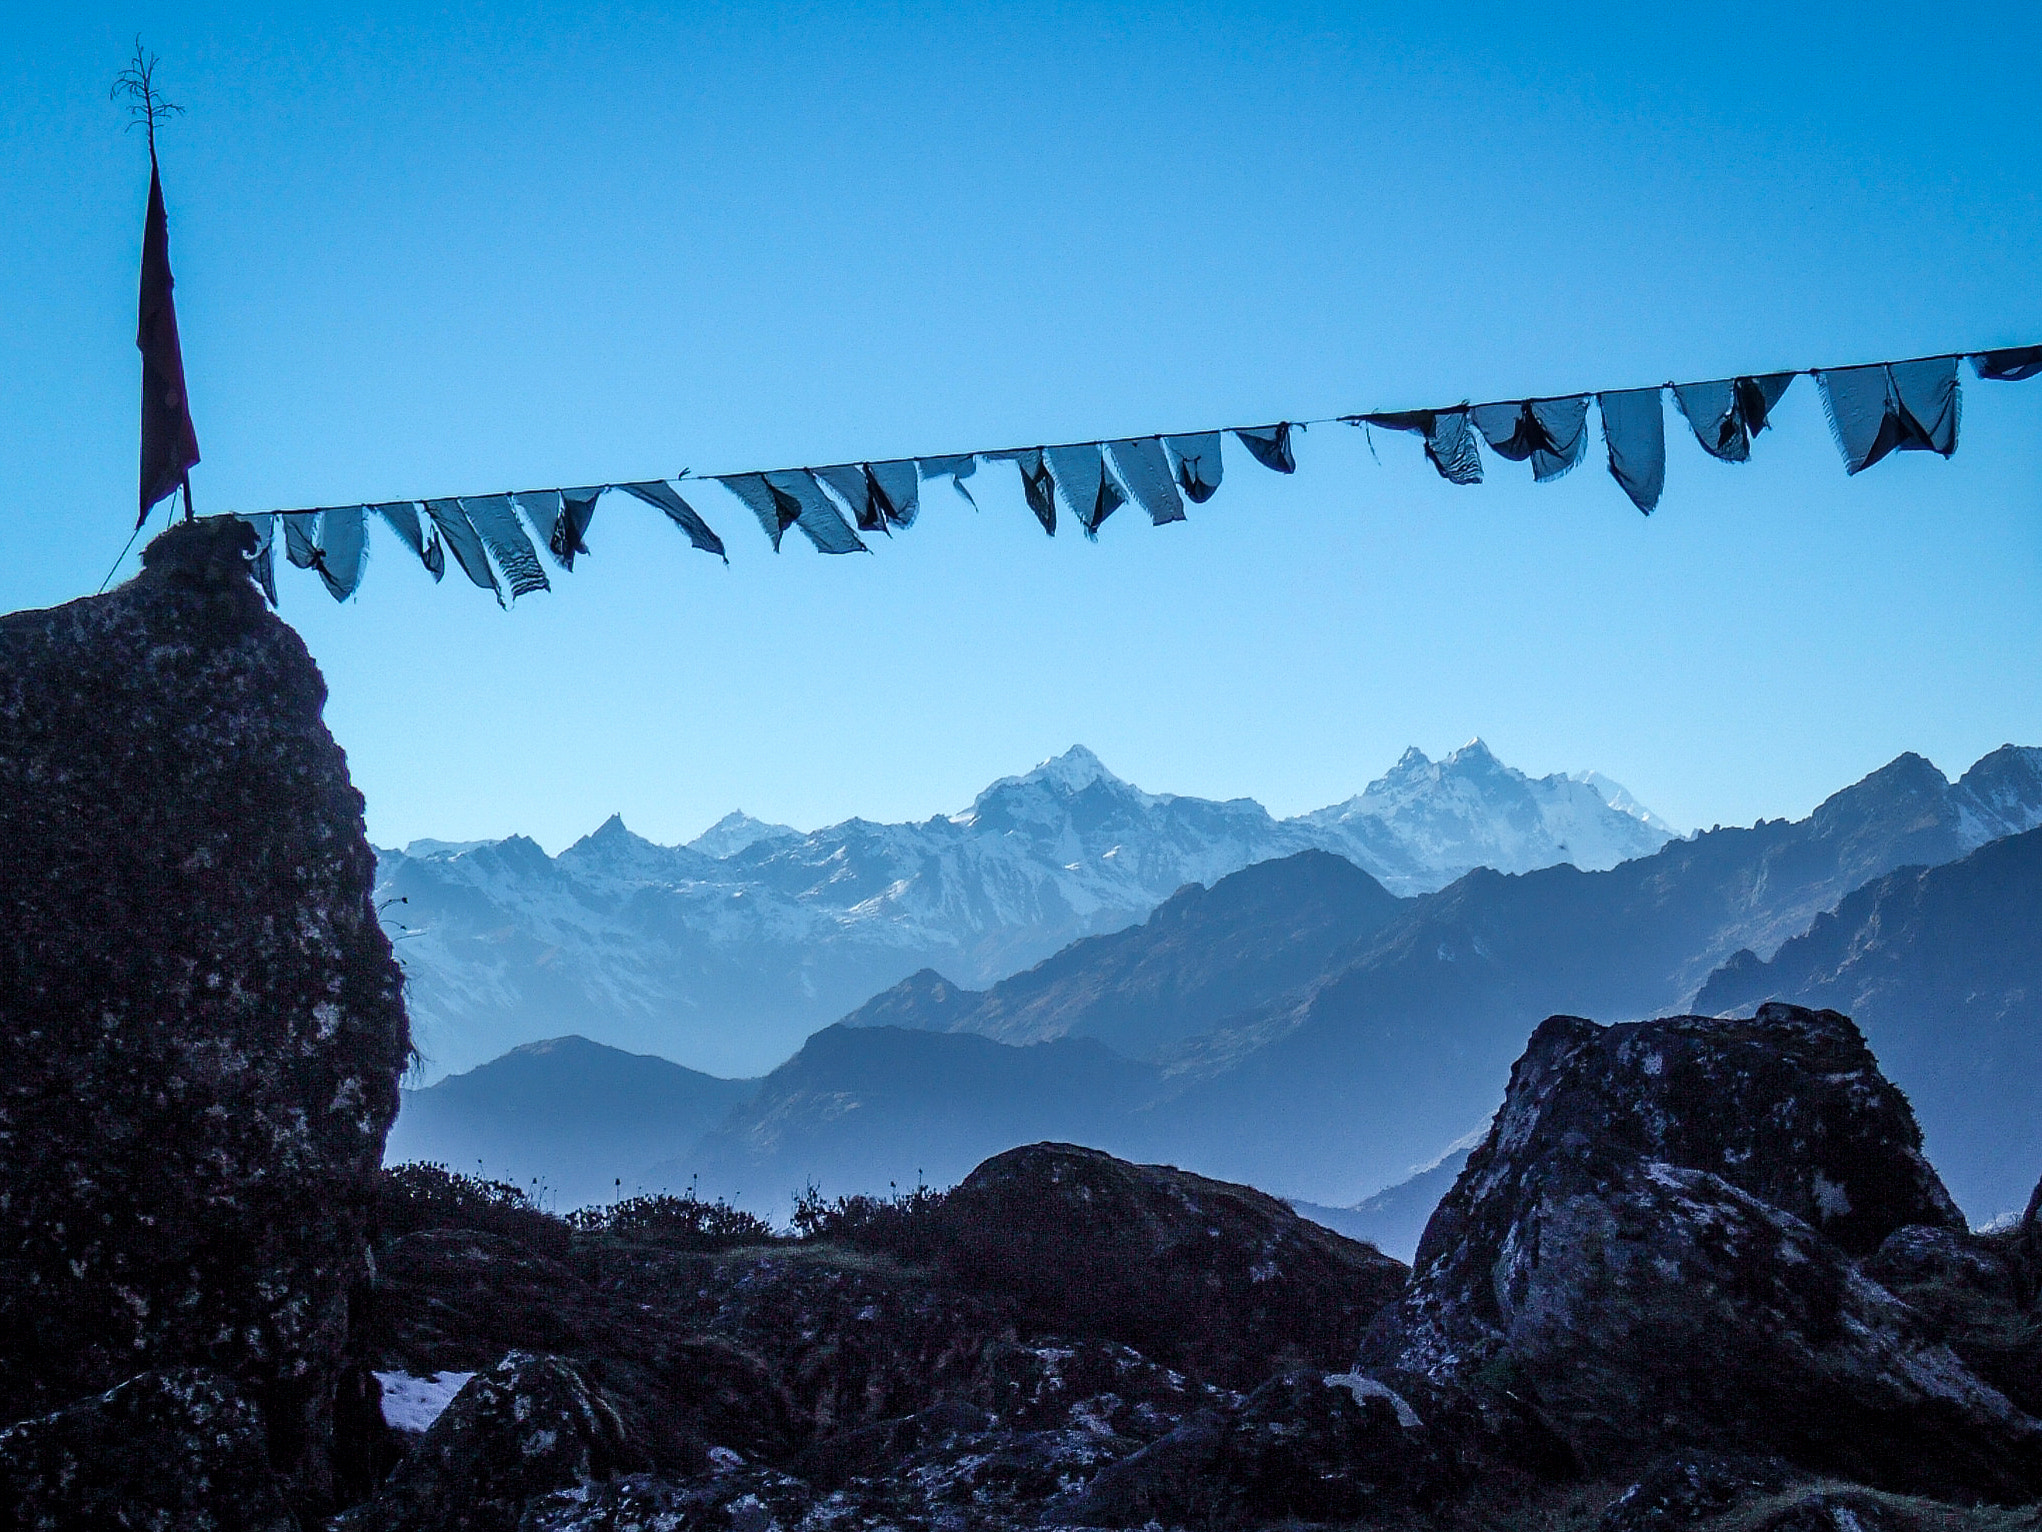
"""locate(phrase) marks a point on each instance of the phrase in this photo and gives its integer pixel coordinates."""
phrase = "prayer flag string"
(1873, 410)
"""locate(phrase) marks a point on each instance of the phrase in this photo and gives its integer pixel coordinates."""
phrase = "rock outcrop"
(863, 1388)
(1654, 1248)
(1788, 1105)
(180, 1449)
(1221, 1280)
(201, 1024)
(1303, 1446)
(526, 1427)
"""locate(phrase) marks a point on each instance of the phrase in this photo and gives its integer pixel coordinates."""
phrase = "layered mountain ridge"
(729, 950)
(1295, 1025)
(1942, 967)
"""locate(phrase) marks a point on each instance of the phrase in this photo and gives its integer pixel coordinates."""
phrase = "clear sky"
(471, 248)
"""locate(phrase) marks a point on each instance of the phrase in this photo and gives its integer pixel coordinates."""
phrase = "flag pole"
(169, 442)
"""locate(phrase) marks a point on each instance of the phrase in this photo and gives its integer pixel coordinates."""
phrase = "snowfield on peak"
(726, 952)
(1426, 822)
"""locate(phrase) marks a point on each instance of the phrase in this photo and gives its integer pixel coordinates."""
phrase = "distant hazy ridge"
(727, 952)
(1298, 1027)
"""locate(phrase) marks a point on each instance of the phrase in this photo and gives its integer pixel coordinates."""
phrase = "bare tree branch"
(137, 83)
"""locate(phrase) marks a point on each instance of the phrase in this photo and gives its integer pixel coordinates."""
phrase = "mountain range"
(1297, 1026)
(728, 951)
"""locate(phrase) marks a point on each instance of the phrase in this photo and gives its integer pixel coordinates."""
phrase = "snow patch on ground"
(412, 1404)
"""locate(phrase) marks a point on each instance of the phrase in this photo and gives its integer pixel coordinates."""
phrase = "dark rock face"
(1667, 1304)
(1653, 1247)
(1301, 1447)
(855, 1388)
(1788, 1106)
(1221, 1280)
(847, 1341)
(528, 1426)
(201, 1025)
(1977, 1292)
(177, 1449)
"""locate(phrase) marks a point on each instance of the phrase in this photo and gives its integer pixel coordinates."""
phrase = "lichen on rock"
(177, 1449)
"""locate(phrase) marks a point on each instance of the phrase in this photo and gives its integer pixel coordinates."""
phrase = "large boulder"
(1788, 1105)
(179, 1449)
(201, 1024)
(1653, 1248)
(1304, 1446)
(1221, 1280)
(527, 1426)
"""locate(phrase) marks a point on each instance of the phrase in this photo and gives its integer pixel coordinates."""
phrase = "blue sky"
(488, 247)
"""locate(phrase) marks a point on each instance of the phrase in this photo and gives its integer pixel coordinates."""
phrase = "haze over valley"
(1323, 1006)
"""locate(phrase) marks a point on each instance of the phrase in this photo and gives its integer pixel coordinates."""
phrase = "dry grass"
(1909, 1512)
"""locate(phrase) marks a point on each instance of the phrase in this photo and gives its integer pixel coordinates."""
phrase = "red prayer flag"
(169, 443)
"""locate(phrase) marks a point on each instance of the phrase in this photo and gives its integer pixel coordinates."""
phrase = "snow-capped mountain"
(1426, 822)
(726, 952)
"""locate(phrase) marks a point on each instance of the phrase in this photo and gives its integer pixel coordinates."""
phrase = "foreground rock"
(177, 1449)
(833, 1384)
(528, 1426)
(1653, 1248)
(1977, 1292)
(1698, 1274)
(1219, 1279)
(1319, 1448)
(1788, 1105)
(201, 1026)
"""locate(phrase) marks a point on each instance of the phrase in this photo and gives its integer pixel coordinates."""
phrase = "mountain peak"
(424, 849)
(1907, 776)
(1064, 775)
(1475, 754)
(1047, 789)
(737, 831)
(1073, 771)
(1622, 799)
(1423, 818)
(612, 844)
